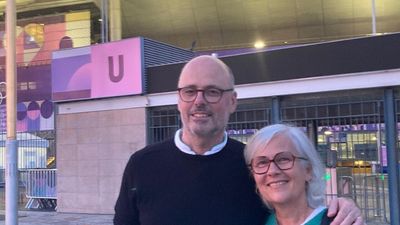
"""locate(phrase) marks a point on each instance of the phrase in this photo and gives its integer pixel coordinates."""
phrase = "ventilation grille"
(157, 53)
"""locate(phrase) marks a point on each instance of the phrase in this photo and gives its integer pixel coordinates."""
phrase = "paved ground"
(55, 218)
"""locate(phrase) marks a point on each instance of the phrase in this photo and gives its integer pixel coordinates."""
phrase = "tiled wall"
(92, 151)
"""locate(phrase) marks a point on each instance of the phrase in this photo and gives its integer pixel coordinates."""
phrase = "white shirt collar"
(313, 214)
(186, 149)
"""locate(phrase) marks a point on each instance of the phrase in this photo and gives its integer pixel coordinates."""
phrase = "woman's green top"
(315, 220)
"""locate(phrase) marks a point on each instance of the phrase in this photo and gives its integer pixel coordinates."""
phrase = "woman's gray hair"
(316, 186)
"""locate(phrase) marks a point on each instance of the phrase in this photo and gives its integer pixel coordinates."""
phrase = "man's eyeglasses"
(283, 160)
(211, 95)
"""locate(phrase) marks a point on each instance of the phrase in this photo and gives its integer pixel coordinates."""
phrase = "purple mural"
(36, 39)
(31, 116)
(71, 74)
(34, 108)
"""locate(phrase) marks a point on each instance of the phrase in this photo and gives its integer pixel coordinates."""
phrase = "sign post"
(11, 175)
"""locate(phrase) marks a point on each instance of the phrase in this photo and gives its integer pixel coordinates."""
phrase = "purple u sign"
(111, 72)
(116, 68)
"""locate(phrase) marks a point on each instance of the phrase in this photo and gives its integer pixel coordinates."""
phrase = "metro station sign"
(98, 71)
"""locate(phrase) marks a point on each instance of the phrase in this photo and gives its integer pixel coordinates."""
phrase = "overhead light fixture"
(215, 55)
(259, 44)
(326, 131)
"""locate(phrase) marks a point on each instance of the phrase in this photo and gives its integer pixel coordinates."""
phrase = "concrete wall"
(92, 151)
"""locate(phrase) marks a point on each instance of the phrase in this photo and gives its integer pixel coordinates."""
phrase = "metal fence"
(37, 188)
(347, 128)
(370, 192)
(36, 151)
(40, 187)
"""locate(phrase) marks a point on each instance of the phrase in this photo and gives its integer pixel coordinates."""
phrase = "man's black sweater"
(162, 185)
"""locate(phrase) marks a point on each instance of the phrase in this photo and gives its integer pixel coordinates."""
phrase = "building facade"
(84, 109)
(344, 94)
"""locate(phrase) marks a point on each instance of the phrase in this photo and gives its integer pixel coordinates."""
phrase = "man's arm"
(345, 211)
(126, 212)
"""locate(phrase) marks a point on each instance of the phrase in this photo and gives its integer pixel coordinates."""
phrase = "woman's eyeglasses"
(283, 160)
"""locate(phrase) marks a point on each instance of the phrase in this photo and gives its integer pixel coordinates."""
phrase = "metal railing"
(40, 188)
(374, 197)
(347, 187)
(370, 192)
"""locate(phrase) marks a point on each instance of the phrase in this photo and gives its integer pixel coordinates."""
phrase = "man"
(199, 177)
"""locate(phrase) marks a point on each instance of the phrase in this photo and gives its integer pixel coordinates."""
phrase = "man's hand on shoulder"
(345, 211)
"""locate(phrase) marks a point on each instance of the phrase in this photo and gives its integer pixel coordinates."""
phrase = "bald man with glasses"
(199, 177)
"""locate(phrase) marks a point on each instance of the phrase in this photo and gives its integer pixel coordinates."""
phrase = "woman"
(292, 186)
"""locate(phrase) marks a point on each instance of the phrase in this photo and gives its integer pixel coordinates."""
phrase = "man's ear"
(233, 102)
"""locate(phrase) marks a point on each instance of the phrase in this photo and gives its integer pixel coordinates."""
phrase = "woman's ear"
(309, 173)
